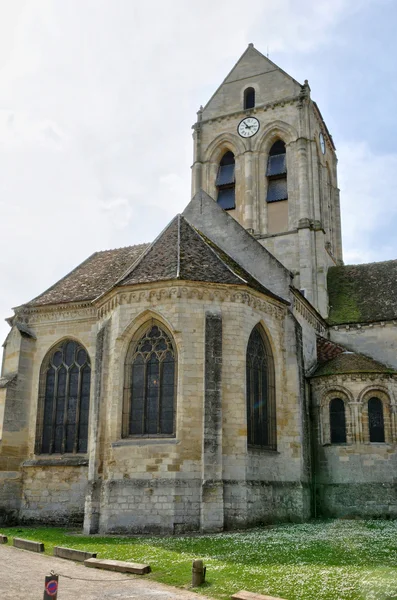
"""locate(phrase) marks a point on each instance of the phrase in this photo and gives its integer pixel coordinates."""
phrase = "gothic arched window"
(226, 182)
(261, 405)
(150, 385)
(249, 98)
(375, 420)
(337, 421)
(277, 173)
(64, 400)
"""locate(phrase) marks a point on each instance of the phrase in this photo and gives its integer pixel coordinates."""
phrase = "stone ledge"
(144, 441)
(3, 539)
(243, 595)
(28, 545)
(71, 554)
(64, 461)
(118, 565)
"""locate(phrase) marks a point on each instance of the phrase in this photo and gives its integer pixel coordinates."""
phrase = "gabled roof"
(182, 252)
(92, 277)
(251, 57)
(362, 293)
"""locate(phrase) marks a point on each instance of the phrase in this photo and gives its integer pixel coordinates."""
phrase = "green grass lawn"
(322, 560)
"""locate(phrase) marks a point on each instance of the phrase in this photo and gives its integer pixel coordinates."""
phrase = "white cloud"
(97, 100)
(368, 202)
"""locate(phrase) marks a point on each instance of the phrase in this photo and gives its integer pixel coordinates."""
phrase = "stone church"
(232, 372)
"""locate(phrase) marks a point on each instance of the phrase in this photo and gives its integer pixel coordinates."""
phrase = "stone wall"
(53, 495)
(378, 340)
(356, 478)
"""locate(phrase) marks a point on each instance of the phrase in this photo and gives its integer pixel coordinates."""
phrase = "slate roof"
(93, 277)
(182, 252)
(351, 362)
(179, 252)
(363, 293)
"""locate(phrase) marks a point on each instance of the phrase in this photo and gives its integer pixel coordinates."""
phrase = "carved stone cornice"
(327, 381)
(310, 315)
(211, 292)
(81, 311)
(358, 326)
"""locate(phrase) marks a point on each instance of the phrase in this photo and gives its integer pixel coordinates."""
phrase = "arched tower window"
(150, 385)
(261, 405)
(64, 400)
(375, 420)
(249, 98)
(337, 421)
(277, 173)
(226, 182)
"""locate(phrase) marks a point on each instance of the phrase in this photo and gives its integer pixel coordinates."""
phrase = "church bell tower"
(263, 152)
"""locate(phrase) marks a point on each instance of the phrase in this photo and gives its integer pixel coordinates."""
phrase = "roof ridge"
(204, 239)
(137, 261)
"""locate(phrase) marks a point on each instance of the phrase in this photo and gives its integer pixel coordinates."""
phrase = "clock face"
(322, 143)
(248, 127)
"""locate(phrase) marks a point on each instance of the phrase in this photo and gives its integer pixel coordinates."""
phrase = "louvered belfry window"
(261, 409)
(64, 401)
(150, 383)
(337, 420)
(277, 173)
(226, 182)
(375, 420)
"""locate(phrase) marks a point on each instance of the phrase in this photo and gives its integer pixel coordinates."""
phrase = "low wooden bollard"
(243, 595)
(198, 573)
(3, 539)
(28, 545)
(50, 587)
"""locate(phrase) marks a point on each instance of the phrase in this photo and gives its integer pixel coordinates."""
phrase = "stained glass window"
(261, 410)
(152, 384)
(375, 420)
(64, 401)
(226, 182)
(337, 420)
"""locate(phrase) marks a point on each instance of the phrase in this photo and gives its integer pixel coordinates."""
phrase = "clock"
(322, 143)
(248, 127)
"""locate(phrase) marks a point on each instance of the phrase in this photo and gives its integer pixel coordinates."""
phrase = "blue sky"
(97, 99)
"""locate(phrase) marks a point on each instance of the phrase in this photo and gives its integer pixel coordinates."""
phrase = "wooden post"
(198, 573)
(51, 587)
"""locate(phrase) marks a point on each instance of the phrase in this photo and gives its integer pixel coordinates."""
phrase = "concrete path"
(22, 578)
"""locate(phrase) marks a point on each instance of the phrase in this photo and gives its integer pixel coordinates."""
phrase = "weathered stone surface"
(71, 554)
(28, 545)
(118, 565)
(3, 539)
(243, 595)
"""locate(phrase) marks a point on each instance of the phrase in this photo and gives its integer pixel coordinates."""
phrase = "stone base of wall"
(368, 500)
(173, 507)
(256, 502)
(159, 506)
(10, 497)
(53, 495)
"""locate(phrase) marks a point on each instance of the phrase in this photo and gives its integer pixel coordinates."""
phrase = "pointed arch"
(150, 376)
(64, 399)
(221, 144)
(272, 132)
(260, 391)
